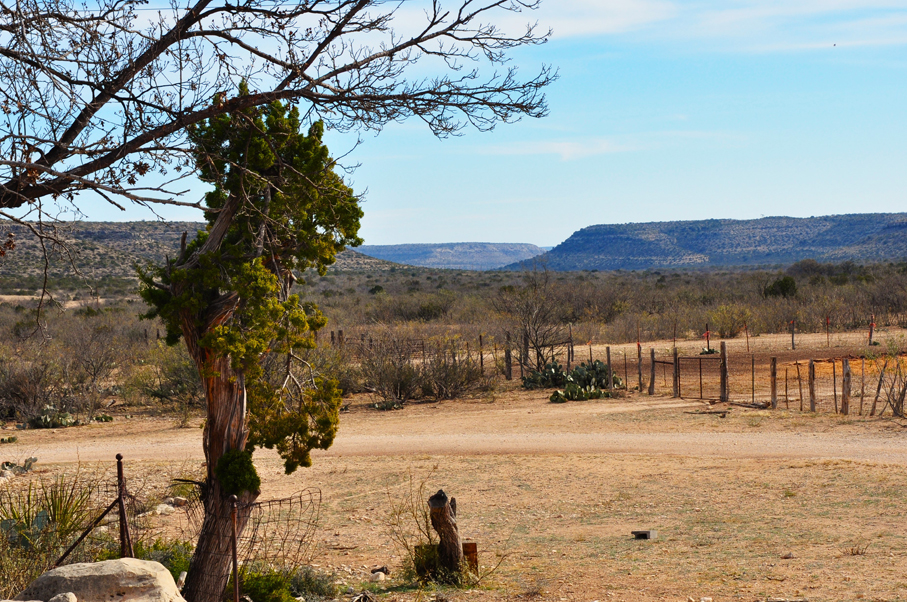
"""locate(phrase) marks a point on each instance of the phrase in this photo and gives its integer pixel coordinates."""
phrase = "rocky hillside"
(862, 238)
(456, 256)
(108, 251)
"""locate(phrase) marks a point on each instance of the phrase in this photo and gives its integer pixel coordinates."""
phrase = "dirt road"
(520, 424)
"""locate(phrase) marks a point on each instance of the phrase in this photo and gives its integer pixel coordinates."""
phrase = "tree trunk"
(444, 521)
(225, 430)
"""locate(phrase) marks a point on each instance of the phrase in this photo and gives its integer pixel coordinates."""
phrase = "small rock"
(381, 569)
(7, 474)
(64, 597)
(378, 576)
(705, 600)
(164, 509)
(179, 502)
(787, 555)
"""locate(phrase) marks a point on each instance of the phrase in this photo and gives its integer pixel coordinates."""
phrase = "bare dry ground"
(757, 505)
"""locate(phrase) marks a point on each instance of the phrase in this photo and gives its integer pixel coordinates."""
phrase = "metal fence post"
(234, 501)
(125, 540)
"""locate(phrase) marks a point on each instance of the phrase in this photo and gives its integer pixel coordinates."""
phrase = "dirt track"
(518, 424)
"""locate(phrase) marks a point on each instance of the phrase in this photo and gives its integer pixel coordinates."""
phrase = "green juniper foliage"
(294, 213)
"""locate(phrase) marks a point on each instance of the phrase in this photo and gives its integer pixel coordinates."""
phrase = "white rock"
(66, 597)
(164, 509)
(378, 576)
(123, 580)
(705, 600)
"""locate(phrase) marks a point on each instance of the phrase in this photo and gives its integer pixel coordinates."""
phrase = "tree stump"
(444, 521)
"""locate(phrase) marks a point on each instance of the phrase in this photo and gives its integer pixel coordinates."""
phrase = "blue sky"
(663, 111)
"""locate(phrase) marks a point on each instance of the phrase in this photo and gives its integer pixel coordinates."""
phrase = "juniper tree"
(277, 207)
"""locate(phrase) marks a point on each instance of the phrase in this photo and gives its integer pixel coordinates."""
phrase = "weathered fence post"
(652, 372)
(234, 502)
(872, 325)
(676, 374)
(639, 364)
(340, 338)
(811, 381)
(845, 387)
(508, 360)
(610, 382)
(333, 339)
(800, 385)
(723, 395)
(444, 521)
(125, 539)
(793, 326)
(774, 378)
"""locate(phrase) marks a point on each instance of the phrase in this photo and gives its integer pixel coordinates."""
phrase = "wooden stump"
(444, 521)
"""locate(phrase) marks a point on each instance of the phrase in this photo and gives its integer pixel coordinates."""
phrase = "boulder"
(123, 580)
(67, 597)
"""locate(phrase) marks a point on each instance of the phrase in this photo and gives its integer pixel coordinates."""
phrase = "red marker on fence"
(708, 338)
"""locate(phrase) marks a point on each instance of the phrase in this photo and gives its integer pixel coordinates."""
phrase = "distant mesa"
(770, 241)
(456, 256)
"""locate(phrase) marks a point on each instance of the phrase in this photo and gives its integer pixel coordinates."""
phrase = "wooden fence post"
(508, 360)
(610, 382)
(639, 364)
(333, 339)
(676, 374)
(793, 343)
(340, 338)
(845, 387)
(652, 372)
(811, 382)
(724, 396)
(800, 385)
(774, 377)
